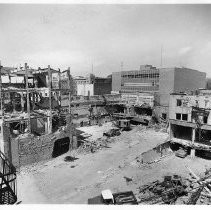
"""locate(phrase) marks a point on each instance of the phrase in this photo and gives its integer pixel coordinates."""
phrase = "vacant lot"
(57, 181)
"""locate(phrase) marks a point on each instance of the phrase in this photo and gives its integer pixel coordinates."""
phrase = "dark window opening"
(164, 116)
(205, 119)
(61, 146)
(179, 102)
(178, 116)
(184, 117)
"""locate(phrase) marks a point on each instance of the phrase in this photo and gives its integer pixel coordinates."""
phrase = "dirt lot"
(57, 181)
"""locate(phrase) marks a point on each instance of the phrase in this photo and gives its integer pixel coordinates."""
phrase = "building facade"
(102, 85)
(84, 85)
(146, 79)
(176, 80)
(190, 120)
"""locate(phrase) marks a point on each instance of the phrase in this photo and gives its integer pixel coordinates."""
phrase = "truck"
(109, 198)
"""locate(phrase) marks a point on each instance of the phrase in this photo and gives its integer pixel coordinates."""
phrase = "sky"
(105, 36)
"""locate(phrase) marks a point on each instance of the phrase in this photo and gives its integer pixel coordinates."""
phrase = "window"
(184, 117)
(179, 102)
(205, 119)
(178, 116)
(164, 116)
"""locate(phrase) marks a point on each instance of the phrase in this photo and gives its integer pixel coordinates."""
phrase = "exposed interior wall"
(181, 132)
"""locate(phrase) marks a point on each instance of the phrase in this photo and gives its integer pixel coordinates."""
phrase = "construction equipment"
(123, 124)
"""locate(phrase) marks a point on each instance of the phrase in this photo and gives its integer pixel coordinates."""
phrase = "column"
(50, 108)
(192, 152)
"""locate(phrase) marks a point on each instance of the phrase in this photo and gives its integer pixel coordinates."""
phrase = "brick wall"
(30, 149)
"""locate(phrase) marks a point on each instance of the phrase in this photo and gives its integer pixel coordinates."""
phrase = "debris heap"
(177, 190)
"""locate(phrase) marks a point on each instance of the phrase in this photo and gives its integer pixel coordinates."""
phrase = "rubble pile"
(91, 145)
(177, 190)
(162, 127)
(199, 188)
(163, 192)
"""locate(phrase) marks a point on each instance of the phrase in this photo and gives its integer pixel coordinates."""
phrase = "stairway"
(8, 190)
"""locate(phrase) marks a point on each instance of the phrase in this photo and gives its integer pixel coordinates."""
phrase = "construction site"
(56, 147)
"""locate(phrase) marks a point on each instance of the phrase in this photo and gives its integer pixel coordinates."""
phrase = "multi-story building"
(190, 120)
(176, 80)
(146, 79)
(161, 82)
(84, 85)
(102, 85)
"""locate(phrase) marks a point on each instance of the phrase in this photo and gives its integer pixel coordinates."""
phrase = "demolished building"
(190, 120)
(34, 124)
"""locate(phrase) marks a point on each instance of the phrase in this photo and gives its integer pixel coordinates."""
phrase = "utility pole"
(2, 108)
(92, 68)
(27, 98)
(122, 65)
(50, 105)
(161, 57)
(60, 91)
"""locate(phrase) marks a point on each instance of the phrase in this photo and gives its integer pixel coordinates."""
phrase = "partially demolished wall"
(30, 149)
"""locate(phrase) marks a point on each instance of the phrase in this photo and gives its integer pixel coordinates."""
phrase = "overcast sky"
(105, 35)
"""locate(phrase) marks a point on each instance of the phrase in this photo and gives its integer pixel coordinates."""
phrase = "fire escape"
(8, 190)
